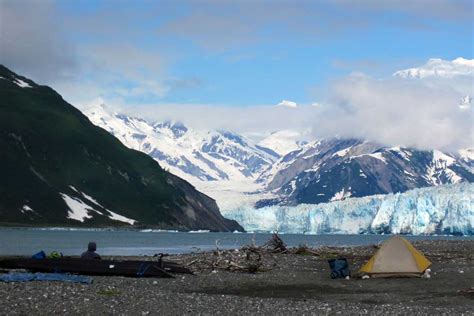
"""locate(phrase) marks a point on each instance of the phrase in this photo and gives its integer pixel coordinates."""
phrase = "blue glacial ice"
(445, 209)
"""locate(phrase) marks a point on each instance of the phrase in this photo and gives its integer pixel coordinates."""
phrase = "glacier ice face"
(445, 209)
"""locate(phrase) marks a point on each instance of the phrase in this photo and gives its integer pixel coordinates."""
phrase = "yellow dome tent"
(396, 257)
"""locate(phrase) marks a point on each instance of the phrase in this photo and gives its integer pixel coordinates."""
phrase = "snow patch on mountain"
(442, 160)
(378, 156)
(341, 195)
(282, 142)
(78, 210)
(112, 215)
(445, 209)
(343, 152)
(25, 208)
(402, 152)
(467, 154)
(439, 166)
(120, 218)
(21, 83)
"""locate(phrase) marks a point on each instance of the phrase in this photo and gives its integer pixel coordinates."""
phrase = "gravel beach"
(292, 284)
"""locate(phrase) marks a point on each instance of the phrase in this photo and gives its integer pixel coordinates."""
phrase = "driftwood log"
(275, 244)
(247, 259)
(304, 250)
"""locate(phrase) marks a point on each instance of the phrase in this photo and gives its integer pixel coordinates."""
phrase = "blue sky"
(238, 53)
(228, 64)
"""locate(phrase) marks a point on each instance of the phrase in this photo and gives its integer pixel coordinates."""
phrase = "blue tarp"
(26, 277)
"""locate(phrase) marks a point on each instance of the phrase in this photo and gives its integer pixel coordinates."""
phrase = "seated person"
(90, 253)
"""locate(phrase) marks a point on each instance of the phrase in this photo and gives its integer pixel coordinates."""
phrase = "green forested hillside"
(51, 154)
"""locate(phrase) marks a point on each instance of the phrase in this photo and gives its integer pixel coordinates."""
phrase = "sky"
(240, 59)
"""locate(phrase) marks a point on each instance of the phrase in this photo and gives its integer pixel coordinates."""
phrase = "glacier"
(447, 209)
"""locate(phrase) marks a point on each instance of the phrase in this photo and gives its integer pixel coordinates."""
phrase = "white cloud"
(32, 44)
(439, 68)
(116, 71)
(219, 26)
(396, 111)
(256, 120)
(465, 103)
(288, 104)
(421, 113)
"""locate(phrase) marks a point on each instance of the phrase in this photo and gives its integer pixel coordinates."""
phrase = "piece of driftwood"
(468, 292)
(275, 244)
(192, 262)
(304, 250)
(247, 259)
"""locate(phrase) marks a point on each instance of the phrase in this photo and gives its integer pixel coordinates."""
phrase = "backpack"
(339, 268)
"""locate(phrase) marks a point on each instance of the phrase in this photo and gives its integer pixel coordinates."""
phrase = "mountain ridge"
(60, 169)
(345, 167)
(334, 169)
(204, 155)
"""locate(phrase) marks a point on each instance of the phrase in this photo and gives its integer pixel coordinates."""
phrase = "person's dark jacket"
(90, 253)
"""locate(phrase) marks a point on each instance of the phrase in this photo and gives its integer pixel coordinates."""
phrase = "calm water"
(21, 241)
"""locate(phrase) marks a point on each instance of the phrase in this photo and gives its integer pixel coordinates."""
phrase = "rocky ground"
(286, 284)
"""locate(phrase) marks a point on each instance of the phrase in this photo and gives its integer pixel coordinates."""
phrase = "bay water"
(27, 241)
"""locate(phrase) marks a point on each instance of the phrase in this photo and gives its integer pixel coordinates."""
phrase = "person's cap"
(92, 246)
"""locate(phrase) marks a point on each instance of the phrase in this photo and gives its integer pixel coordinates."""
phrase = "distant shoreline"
(159, 230)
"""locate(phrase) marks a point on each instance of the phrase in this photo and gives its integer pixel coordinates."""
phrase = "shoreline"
(26, 242)
(159, 230)
(290, 284)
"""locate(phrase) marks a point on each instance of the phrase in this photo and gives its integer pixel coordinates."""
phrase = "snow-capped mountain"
(190, 154)
(282, 142)
(236, 171)
(436, 67)
(335, 169)
(222, 164)
(437, 210)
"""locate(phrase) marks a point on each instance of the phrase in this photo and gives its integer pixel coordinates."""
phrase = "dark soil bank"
(294, 284)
